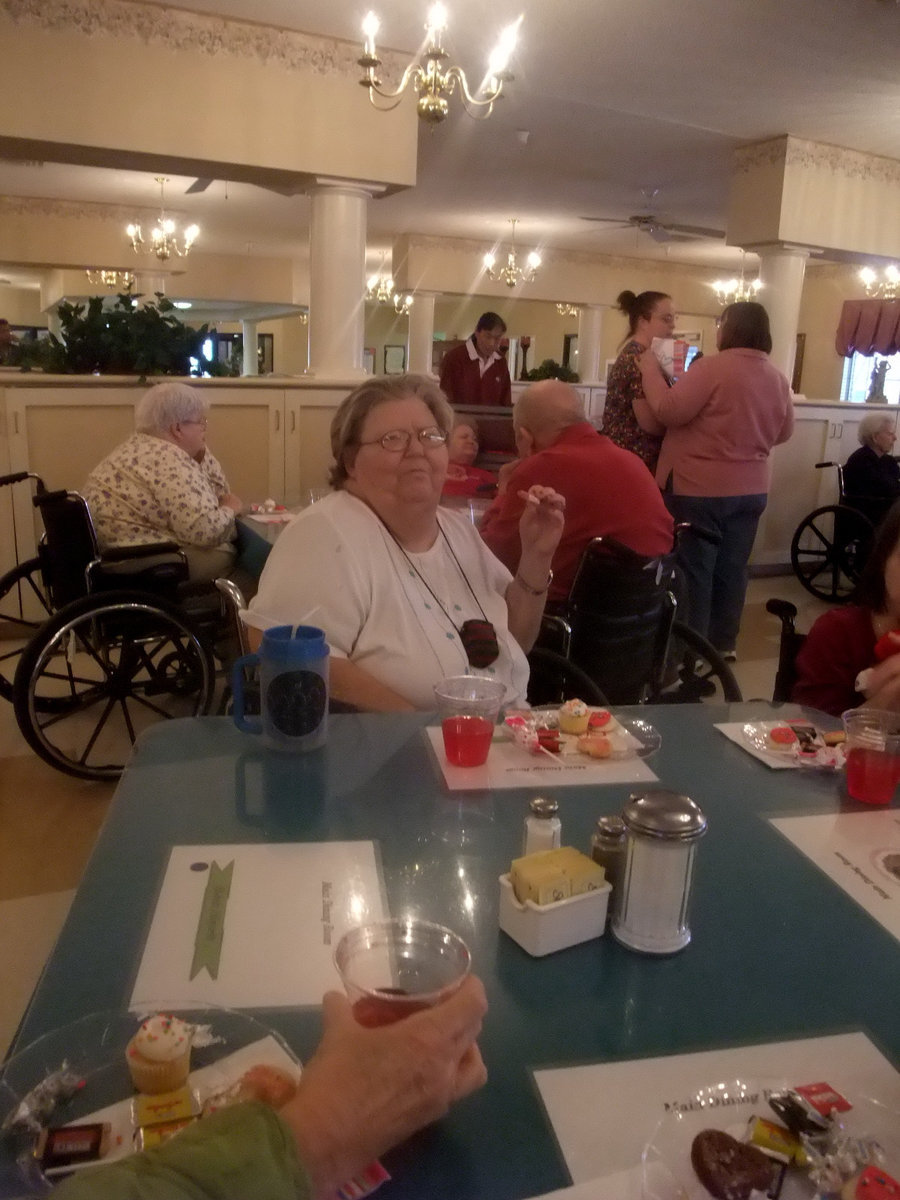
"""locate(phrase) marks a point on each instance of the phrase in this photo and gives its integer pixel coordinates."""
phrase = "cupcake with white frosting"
(159, 1054)
(574, 717)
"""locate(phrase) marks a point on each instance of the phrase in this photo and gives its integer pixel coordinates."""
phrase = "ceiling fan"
(660, 230)
(287, 189)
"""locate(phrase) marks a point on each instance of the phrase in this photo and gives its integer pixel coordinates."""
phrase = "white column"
(781, 272)
(421, 333)
(250, 365)
(590, 327)
(337, 267)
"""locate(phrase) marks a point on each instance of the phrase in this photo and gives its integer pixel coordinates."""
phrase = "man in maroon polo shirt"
(609, 491)
(476, 372)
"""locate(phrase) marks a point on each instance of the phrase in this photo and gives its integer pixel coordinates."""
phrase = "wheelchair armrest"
(784, 610)
(125, 553)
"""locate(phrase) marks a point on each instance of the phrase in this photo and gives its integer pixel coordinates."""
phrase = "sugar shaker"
(650, 907)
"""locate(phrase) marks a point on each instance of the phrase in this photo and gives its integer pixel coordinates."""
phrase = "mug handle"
(244, 723)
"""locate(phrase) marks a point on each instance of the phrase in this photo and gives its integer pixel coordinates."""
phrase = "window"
(857, 381)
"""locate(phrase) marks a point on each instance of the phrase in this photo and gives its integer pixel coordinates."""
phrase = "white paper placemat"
(509, 766)
(603, 1114)
(255, 926)
(860, 851)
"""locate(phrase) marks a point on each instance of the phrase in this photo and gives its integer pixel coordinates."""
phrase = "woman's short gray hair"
(347, 423)
(871, 424)
(168, 404)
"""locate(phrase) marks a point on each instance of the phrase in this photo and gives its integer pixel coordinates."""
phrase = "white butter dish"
(545, 928)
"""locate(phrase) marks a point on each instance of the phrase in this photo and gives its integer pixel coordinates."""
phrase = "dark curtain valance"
(869, 327)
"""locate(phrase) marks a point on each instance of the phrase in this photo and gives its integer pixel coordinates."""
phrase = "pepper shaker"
(651, 905)
(608, 849)
(542, 826)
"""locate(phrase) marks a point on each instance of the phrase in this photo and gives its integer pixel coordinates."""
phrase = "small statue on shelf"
(876, 384)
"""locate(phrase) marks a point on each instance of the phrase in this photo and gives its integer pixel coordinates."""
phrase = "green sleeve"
(245, 1150)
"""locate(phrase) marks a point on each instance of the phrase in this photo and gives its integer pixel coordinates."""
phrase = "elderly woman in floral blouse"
(163, 484)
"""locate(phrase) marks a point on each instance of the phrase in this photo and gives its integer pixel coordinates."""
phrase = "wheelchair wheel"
(829, 550)
(102, 670)
(554, 679)
(24, 607)
(696, 672)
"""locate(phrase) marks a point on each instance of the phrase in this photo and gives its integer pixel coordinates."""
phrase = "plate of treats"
(748, 1139)
(113, 1083)
(578, 729)
(797, 741)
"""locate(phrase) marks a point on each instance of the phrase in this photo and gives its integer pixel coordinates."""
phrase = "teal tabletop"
(778, 951)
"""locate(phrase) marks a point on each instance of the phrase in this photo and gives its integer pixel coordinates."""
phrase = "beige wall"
(21, 306)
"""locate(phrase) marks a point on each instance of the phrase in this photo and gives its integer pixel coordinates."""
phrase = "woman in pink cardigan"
(721, 420)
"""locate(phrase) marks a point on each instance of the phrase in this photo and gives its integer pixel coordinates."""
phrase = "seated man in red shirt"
(609, 491)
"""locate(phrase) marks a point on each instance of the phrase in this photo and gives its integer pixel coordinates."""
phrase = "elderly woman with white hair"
(163, 484)
(871, 473)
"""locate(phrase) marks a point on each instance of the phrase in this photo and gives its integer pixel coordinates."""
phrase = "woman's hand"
(542, 521)
(881, 684)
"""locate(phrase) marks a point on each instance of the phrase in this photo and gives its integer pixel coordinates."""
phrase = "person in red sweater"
(463, 477)
(851, 655)
(609, 491)
(476, 372)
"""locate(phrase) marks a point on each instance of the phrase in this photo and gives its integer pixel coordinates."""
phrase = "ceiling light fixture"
(431, 79)
(380, 290)
(511, 273)
(121, 281)
(165, 239)
(886, 288)
(568, 310)
(731, 291)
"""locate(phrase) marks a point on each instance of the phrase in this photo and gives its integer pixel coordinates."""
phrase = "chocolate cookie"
(727, 1168)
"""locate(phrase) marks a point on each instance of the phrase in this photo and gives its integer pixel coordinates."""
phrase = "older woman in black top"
(871, 473)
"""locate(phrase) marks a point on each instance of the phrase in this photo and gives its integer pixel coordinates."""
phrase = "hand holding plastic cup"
(468, 706)
(391, 969)
(873, 754)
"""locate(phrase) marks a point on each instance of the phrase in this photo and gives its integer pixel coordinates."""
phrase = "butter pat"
(554, 875)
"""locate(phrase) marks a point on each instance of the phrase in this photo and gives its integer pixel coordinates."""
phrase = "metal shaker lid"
(661, 813)
(543, 806)
(611, 827)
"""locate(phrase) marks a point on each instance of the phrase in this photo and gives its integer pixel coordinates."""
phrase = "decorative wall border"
(836, 160)
(177, 29)
(82, 210)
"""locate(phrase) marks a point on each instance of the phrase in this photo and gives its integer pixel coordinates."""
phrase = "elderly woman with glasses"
(407, 593)
(163, 484)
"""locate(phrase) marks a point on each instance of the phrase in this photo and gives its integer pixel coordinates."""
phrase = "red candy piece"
(599, 719)
(548, 739)
(875, 1184)
(782, 736)
(823, 1098)
(887, 645)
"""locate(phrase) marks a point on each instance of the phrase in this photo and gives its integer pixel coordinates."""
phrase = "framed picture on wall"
(394, 360)
(369, 359)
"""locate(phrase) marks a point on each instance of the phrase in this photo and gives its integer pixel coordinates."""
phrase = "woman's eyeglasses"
(203, 423)
(398, 440)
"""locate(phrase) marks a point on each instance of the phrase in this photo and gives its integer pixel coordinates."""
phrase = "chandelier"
(731, 291)
(886, 288)
(568, 310)
(432, 80)
(511, 273)
(380, 290)
(165, 239)
(121, 281)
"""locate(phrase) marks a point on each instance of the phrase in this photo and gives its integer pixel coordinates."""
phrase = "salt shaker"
(542, 826)
(650, 906)
(608, 849)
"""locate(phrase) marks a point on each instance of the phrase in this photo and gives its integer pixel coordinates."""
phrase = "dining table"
(779, 949)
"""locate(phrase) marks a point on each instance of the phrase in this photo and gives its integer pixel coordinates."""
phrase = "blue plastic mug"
(293, 685)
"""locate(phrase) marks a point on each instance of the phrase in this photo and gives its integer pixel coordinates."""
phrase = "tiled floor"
(48, 822)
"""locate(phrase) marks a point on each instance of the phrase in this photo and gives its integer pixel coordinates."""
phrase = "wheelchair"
(619, 629)
(830, 547)
(104, 644)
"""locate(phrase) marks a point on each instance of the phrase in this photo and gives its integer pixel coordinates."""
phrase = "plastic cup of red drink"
(873, 754)
(391, 969)
(468, 706)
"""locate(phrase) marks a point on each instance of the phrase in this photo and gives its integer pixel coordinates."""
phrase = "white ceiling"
(618, 97)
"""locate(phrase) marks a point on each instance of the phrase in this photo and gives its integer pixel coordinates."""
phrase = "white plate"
(666, 1168)
(94, 1049)
(756, 735)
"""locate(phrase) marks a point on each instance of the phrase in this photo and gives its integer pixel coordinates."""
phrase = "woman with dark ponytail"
(650, 315)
